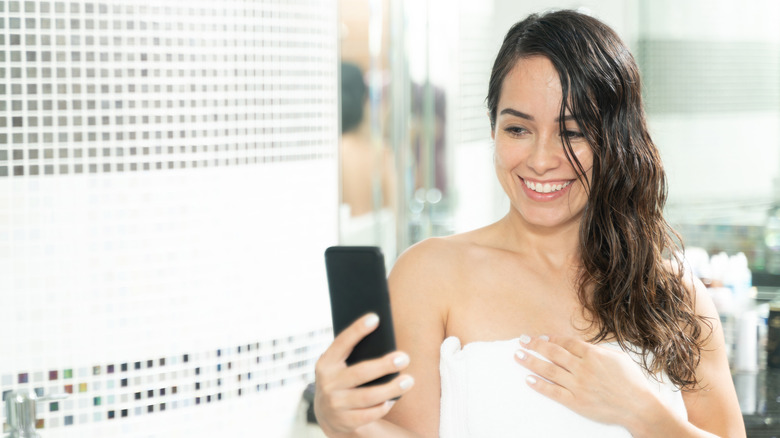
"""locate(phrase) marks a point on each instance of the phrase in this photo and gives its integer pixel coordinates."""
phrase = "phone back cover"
(358, 285)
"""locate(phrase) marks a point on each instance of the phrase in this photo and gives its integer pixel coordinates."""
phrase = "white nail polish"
(372, 320)
(530, 379)
(406, 383)
(525, 339)
(401, 360)
(544, 338)
(520, 354)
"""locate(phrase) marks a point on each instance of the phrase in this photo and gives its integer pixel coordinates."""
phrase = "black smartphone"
(358, 285)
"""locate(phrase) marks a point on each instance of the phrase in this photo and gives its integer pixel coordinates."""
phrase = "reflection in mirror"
(368, 173)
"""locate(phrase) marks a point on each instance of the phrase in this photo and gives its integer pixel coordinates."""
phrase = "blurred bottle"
(746, 385)
(772, 240)
(719, 264)
(697, 260)
(738, 278)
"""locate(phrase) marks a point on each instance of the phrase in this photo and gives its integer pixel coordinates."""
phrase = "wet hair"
(625, 284)
(353, 96)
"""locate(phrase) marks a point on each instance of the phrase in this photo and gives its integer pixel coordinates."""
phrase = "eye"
(515, 131)
(572, 135)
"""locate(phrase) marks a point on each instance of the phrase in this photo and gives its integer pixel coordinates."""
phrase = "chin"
(546, 219)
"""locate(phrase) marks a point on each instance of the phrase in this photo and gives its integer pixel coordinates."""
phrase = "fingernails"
(530, 379)
(520, 354)
(390, 404)
(406, 383)
(525, 339)
(401, 360)
(544, 338)
(371, 320)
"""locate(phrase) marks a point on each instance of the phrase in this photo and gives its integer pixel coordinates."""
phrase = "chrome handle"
(20, 412)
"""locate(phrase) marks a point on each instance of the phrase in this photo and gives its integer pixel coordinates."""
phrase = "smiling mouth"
(545, 187)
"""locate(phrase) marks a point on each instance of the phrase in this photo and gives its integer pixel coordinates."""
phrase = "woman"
(565, 317)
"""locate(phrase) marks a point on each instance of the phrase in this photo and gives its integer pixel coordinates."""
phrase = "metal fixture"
(20, 412)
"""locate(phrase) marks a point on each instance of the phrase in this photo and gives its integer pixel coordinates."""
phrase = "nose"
(546, 154)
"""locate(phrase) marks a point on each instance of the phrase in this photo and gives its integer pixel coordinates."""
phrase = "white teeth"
(546, 187)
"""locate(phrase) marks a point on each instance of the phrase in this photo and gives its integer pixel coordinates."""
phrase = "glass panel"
(368, 171)
(425, 66)
(713, 102)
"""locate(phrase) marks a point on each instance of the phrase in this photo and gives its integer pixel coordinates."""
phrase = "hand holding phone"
(349, 397)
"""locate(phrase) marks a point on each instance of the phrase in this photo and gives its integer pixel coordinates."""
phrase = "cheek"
(585, 156)
(499, 157)
(505, 157)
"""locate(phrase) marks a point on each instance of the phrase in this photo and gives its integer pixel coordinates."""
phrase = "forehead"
(532, 85)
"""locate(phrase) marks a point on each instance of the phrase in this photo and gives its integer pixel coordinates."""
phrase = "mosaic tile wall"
(112, 391)
(168, 182)
(127, 86)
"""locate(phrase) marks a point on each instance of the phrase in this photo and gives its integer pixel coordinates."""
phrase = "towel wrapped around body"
(484, 394)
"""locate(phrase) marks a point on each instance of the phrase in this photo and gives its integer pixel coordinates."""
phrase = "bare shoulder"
(435, 264)
(432, 255)
(440, 266)
(700, 297)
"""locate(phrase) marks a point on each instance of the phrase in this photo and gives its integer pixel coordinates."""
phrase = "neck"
(558, 247)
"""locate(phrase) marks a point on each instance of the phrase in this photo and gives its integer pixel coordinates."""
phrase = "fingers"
(550, 349)
(370, 396)
(542, 368)
(340, 403)
(550, 379)
(550, 390)
(560, 363)
(574, 346)
(331, 369)
(347, 409)
(346, 340)
(359, 417)
(366, 371)
(346, 422)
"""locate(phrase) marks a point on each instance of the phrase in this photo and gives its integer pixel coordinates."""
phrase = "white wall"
(164, 208)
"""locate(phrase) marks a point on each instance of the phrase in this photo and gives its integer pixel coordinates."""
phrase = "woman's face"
(529, 150)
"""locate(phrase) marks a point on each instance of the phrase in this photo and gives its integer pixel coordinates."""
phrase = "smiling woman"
(565, 317)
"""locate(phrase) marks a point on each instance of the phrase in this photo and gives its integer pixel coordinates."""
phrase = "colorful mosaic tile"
(210, 387)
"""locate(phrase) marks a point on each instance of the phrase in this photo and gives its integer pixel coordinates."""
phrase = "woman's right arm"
(417, 291)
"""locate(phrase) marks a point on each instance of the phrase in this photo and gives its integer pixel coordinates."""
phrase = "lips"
(545, 191)
(546, 187)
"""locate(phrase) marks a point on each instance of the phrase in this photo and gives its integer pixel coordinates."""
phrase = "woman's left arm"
(714, 407)
(606, 386)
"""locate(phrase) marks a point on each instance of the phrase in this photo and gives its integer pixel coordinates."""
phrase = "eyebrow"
(523, 115)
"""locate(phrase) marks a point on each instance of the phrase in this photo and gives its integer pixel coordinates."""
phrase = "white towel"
(484, 394)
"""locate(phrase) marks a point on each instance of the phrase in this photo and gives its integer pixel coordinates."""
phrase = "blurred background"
(172, 172)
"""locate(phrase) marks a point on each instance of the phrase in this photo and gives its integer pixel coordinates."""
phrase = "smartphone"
(358, 285)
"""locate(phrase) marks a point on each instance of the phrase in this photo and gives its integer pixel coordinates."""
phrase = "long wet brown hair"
(625, 285)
